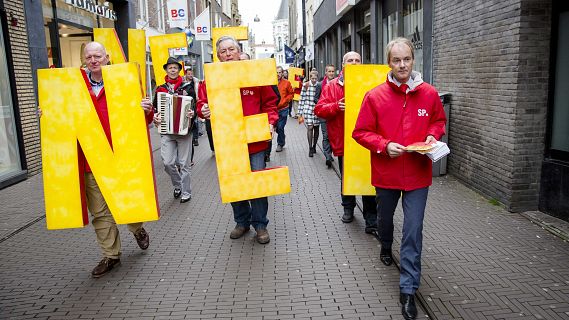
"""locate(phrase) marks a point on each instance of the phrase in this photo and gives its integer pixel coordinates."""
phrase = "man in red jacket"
(287, 93)
(402, 111)
(103, 222)
(255, 100)
(331, 107)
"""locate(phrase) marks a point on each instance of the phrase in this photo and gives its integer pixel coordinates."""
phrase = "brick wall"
(493, 57)
(24, 86)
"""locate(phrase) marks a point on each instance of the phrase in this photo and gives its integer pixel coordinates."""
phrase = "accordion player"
(174, 109)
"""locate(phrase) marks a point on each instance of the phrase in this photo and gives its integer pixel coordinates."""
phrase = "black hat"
(172, 60)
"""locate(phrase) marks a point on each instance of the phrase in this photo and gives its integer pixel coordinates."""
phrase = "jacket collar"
(414, 81)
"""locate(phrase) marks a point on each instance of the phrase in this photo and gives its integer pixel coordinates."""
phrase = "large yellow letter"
(232, 131)
(124, 172)
(359, 79)
(239, 33)
(296, 84)
(136, 48)
(159, 46)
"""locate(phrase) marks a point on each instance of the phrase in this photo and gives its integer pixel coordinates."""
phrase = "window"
(560, 114)
(280, 44)
(9, 148)
(413, 29)
(142, 10)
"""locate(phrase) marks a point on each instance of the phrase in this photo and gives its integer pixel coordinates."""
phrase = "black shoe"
(104, 266)
(177, 193)
(386, 256)
(267, 158)
(186, 199)
(314, 150)
(329, 164)
(142, 239)
(408, 307)
(311, 153)
(348, 216)
(196, 143)
(371, 229)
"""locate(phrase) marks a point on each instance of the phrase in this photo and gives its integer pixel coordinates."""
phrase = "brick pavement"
(479, 261)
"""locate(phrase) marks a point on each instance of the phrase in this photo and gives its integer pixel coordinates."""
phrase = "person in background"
(306, 111)
(328, 76)
(331, 106)
(175, 148)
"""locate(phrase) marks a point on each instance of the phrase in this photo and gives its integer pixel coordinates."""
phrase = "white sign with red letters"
(178, 13)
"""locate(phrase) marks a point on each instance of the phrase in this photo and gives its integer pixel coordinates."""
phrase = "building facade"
(280, 33)
(501, 61)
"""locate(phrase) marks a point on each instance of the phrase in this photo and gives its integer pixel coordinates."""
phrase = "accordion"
(174, 110)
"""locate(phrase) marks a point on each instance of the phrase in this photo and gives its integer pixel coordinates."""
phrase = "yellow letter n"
(123, 172)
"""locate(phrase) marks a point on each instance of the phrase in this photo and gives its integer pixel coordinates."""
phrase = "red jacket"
(254, 100)
(286, 92)
(388, 114)
(327, 108)
(100, 103)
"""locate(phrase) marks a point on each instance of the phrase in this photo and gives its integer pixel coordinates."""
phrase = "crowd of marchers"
(400, 111)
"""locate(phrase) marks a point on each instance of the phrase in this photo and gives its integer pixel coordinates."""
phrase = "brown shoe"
(142, 239)
(238, 232)
(106, 265)
(263, 236)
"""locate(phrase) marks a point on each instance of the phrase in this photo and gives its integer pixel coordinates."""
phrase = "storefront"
(12, 162)
(68, 26)
(367, 27)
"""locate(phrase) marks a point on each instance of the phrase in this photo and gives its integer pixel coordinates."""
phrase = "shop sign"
(93, 7)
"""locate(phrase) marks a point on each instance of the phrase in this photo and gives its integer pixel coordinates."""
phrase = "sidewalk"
(479, 261)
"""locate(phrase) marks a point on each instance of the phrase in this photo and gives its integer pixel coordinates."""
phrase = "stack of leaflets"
(435, 151)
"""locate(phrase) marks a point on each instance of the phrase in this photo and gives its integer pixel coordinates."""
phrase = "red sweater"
(254, 100)
(327, 108)
(388, 114)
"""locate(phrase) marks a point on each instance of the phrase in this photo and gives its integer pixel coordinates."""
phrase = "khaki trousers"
(103, 221)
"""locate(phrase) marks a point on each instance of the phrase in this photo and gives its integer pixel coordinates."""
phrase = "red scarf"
(176, 82)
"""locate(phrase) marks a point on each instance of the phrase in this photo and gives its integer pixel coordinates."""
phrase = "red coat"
(100, 103)
(388, 114)
(254, 100)
(327, 108)
(286, 92)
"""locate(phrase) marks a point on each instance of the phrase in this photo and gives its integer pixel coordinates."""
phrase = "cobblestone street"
(479, 261)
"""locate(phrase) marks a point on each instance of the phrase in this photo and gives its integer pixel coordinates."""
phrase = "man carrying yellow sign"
(106, 229)
(255, 100)
(331, 107)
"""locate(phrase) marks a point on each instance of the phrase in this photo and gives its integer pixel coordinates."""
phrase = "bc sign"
(177, 16)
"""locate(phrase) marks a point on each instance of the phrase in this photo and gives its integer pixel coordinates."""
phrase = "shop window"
(413, 29)
(161, 17)
(143, 10)
(10, 163)
(347, 36)
(559, 145)
(390, 27)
